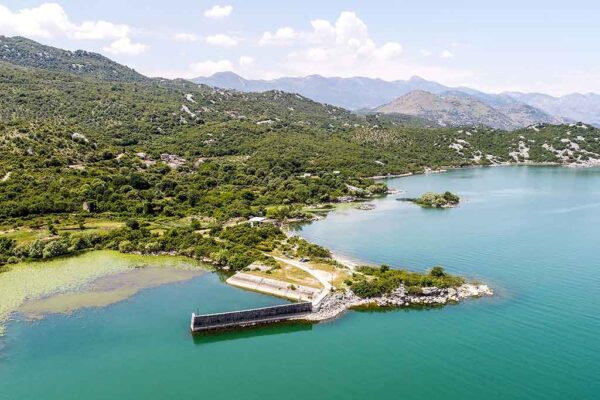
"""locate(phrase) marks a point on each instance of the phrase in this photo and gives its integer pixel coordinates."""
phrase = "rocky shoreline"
(338, 302)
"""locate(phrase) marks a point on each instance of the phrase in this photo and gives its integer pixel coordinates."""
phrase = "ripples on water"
(537, 339)
(536, 243)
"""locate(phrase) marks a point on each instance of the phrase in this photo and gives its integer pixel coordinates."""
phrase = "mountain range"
(512, 109)
(455, 108)
(64, 111)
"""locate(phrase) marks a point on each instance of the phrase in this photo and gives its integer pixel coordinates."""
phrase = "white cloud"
(50, 20)
(186, 37)
(425, 52)
(389, 51)
(244, 65)
(206, 68)
(343, 45)
(46, 20)
(446, 54)
(246, 62)
(218, 11)
(126, 47)
(281, 37)
(221, 40)
(96, 30)
(323, 31)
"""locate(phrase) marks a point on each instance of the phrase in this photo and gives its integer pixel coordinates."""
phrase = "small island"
(437, 200)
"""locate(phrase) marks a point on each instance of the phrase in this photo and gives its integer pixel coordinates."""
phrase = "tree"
(132, 224)
(6, 245)
(437, 271)
(55, 248)
(52, 229)
(36, 249)
(195, 224)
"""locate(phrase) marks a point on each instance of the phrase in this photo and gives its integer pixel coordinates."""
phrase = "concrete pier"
(244, 318)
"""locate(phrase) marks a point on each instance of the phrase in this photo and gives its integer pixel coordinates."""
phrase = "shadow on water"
(250, 332)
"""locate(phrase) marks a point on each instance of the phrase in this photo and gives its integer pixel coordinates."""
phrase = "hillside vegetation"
(21, 51)
(79, 144)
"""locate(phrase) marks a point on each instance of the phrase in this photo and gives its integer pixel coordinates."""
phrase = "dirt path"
(323, 277)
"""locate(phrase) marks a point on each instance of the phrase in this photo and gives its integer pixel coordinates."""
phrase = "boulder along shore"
(338, 302)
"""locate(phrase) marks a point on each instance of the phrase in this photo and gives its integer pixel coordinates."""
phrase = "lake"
(529, 232)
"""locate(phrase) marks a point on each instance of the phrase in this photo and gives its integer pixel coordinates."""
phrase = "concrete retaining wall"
(249, 317)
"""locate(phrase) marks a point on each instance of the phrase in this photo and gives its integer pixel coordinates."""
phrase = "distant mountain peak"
(226, 74)
(416, 78)
(447, 111)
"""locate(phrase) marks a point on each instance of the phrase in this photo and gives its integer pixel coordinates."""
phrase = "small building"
(257, 220)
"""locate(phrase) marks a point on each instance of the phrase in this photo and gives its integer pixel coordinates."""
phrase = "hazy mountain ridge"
(53, 119)
(448, 110)
(360, 93)
(576, 106)
(351, 93)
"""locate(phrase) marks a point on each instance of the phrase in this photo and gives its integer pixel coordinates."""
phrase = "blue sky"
(545, 46)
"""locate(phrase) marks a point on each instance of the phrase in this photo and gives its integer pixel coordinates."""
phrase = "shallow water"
(531, 233)
(25, 282)
(107, 290)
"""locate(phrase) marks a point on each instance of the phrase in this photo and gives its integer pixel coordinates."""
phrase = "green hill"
(138, 146)
(27, 53)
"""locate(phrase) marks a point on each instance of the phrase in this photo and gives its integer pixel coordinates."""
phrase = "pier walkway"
(244, 318)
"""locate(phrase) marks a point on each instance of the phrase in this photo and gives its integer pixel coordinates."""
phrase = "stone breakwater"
(338, 302)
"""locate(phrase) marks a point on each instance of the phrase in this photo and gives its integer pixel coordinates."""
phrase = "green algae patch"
(27, 282)
(107, 290)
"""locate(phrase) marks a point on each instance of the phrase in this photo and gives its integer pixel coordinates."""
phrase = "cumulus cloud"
(281, 37)
(218, 11)
(244, 65)
(344, 44)
(206, 68)
(389, 51)
(246, 61)
(186, 37)
(446, 54)
(125, 46)
(221, 40)
(344, 47)
(50, 20)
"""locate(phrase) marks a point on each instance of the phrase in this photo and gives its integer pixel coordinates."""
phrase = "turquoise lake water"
(532, 233)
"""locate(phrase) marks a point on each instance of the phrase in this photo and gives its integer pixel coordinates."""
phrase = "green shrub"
(55, 248)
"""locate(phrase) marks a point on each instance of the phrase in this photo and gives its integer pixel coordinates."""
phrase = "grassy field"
(287, 273)
(339, 274)
(38, 230)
